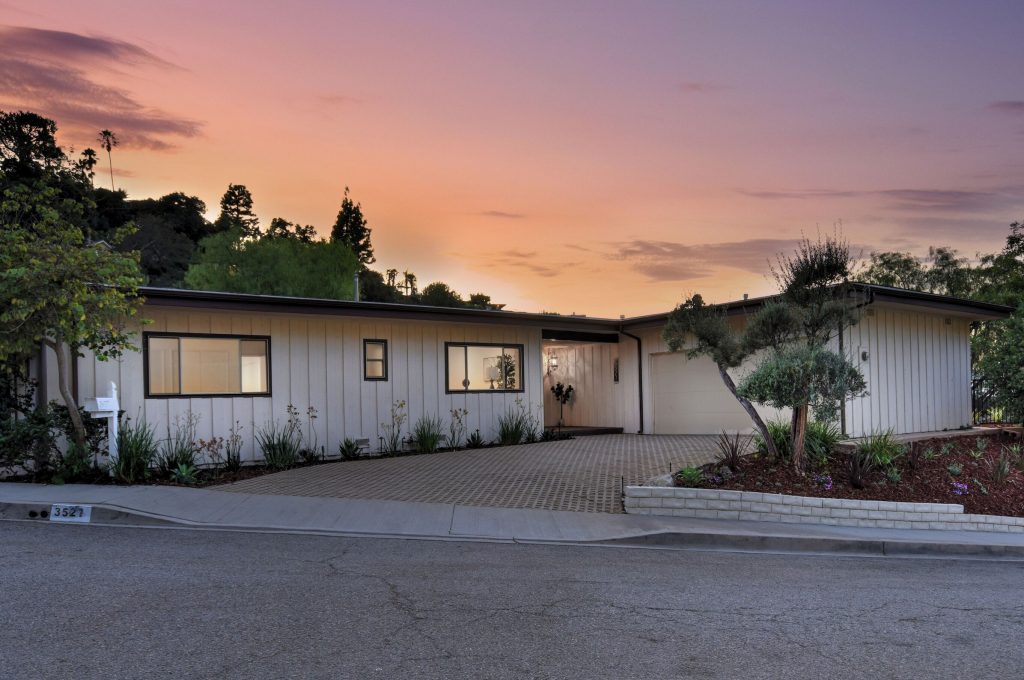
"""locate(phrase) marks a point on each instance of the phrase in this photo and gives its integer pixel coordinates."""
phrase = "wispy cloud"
(501, 214)
(338, 100)
(525, 260)
(919, 200)
(699, 87)
(672, 261)
(36, 73)
(1011, 106)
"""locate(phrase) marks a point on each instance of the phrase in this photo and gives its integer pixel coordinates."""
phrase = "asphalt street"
(101, 602)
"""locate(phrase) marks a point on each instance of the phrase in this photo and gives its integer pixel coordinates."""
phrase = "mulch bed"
(923, 480)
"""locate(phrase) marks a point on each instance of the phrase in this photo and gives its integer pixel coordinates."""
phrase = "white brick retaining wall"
(772, 507)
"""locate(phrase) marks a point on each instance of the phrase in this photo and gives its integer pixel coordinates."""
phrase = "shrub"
(883, 448)
(730, 449)
(822, 438)
(136, 450)
(894, 475)
(516, 426)
(954, 469)
(309, 449)
(391, 432)
(860, 463)
(280, 445)
(779, 431)
(349, 449)
(689, 476)
(426, 434)
(185, 474)
(180, 447)
(1001, 467)
(947, 448)
(457, 427)
(475, 441)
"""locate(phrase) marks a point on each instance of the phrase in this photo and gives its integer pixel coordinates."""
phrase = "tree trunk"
(751, 411)
(65, 392)
(799, 437)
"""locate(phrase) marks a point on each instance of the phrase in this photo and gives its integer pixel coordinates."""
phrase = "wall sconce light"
(552, 362)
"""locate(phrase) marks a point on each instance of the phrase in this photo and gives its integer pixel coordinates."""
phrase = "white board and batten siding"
(918, 372)
(590, 368)
(317, 360)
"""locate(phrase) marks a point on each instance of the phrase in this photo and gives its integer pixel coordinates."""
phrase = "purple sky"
(593, 157)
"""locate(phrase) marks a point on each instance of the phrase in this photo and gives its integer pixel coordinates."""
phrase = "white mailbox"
(106, 407)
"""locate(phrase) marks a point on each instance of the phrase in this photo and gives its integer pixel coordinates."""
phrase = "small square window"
(375, 359)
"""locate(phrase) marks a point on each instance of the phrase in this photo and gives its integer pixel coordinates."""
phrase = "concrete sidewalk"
(211, 509)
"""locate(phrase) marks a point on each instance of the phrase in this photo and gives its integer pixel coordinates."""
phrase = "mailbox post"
(106, 407)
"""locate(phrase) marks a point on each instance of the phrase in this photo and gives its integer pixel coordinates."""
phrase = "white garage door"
(690, 398)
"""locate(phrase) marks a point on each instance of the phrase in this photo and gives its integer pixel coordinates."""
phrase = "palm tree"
(410, 283)
(392, 277)
(88, 162)
(108, 140)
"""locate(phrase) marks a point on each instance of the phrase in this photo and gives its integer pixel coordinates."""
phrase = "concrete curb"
(111, 515)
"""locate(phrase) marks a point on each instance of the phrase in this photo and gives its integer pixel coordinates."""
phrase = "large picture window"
(206, 365)
(484, 368)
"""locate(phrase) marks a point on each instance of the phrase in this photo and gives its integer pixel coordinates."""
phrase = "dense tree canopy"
(231, 262)
(58, 287)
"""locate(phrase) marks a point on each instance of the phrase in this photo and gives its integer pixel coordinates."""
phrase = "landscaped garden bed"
(983, 472)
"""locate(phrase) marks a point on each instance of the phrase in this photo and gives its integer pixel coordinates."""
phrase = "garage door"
(689, 397)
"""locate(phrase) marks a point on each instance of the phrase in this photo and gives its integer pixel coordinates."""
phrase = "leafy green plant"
(475, 441)
(822, 438)
(391, 432)
(1001, 468)
(894, 475)
(517, 425)
(947, 449)
(730, 449)
(349, 449)
(136, 450)
(180, 447)
(279, 444)
(981, 487)
(779, 431)
(883, 448)
(689, 476)
(954, 469)
(185, 474)
(426, 434)
(457, 427)
(1015, 452)
(928, 453)
(309, 444)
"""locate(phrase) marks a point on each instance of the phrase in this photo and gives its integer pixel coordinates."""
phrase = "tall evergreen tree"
(236, 212)
(350, 228)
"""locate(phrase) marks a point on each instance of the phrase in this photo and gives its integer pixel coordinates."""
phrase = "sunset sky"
(593, 157)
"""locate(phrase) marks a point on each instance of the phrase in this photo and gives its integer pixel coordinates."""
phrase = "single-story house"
(243, 359)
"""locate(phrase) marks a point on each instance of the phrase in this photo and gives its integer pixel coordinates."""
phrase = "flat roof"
(177, 297)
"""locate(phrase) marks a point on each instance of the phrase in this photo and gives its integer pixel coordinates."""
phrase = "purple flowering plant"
(824, 481)
(960, 489)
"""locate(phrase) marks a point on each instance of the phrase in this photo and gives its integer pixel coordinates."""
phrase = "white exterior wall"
(589, 368)
(918, 372)
(317, 360)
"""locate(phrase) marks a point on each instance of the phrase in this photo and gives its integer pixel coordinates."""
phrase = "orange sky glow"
(589, 157)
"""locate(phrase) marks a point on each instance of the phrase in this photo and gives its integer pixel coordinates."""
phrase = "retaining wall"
(769, 507)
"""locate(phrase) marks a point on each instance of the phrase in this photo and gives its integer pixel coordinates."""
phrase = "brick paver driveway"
(583, 474)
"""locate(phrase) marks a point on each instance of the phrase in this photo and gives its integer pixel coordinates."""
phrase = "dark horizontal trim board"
(579, 336)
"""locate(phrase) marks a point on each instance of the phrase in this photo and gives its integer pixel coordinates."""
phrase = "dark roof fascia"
(876, 294)
(175, 297)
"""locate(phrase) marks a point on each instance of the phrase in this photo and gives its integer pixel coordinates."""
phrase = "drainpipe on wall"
(639, 374)
(356, 298)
